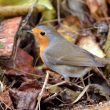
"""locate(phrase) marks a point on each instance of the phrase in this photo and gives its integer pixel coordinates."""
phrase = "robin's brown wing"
(65, 53)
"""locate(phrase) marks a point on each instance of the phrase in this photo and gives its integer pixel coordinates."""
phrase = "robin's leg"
(88, 98)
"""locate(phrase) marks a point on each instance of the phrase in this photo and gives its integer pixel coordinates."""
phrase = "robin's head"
(40, 35)
(43, 34)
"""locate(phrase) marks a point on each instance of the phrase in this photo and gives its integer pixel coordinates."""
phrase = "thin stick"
(28, 74)
(82, 80)
(42, 90)
(58, 84)
(85, 78)
(63, 82)
(14, 57)
(29, 14)
(78, 86)
(51, 97)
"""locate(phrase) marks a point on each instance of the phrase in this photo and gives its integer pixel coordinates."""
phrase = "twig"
(85, 78)
(24, 22)
(60, 100)
(42, 90)
(51, 97)
(63, 82)
(36, 60)
(58, 84)
(77, 85)
(28, 74)
(82, 80)
(79, 97)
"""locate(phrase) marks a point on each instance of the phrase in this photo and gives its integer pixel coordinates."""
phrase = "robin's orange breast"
(43, 45)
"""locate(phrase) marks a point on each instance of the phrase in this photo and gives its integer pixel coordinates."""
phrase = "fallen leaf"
(25, 97)
(18, 8)
(8, 30)
(29, 84)
(23, 64)
(24, 100)
(89, 44)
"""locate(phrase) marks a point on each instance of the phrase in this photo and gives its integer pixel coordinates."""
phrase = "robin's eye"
(42, 33)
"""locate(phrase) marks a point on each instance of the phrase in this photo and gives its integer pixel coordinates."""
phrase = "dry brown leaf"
(89, 44)
(8, 30)
(28, 85)
(25, 97)
(23, 64)
(24, 100)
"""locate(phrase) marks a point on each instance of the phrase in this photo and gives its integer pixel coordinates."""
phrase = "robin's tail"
(103, 60)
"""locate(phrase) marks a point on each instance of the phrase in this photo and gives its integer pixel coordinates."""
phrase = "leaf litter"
(24, 86)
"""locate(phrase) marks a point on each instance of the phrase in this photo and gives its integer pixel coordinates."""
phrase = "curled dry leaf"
(89, 44)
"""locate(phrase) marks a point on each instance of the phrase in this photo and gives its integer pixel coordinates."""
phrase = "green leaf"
(10, 8)
(1, 45)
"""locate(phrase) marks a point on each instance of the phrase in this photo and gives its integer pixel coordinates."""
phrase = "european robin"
(64, 57)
